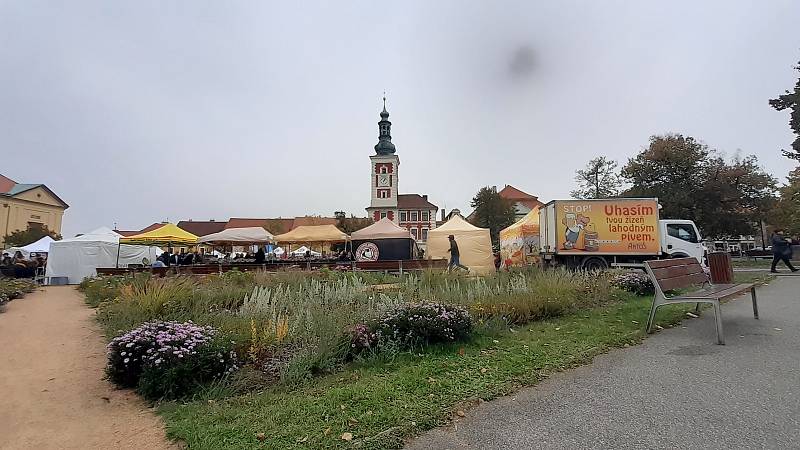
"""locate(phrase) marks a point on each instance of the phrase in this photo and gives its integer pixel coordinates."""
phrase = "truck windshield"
(682, 231)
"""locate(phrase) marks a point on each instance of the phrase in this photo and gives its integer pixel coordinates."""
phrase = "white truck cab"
(680, 239)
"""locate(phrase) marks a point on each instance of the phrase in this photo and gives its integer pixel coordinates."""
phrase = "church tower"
(383, 173)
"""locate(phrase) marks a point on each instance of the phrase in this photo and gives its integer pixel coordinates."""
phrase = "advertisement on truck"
(628, 226)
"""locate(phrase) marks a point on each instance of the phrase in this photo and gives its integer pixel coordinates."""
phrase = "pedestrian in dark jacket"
(455, 255)
(781, 251)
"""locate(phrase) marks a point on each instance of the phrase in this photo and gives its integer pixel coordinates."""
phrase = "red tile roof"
(414, 201)
(511, 193)
(6, 184)
(201, 227)
(279, 225)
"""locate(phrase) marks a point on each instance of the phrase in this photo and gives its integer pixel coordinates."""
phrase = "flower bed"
(636, 282)
(168, 359)
(11, 289)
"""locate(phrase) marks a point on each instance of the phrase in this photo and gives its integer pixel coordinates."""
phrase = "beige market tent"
(312, 234)
(238, 236)
(474, 244)
(382, 229)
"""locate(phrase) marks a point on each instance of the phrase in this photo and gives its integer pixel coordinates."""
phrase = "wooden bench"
(685, 273)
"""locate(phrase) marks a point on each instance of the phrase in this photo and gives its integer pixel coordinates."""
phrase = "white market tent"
(238, 236)
(474, 245)
(302, 252)
(382, 229)
(79, 257)
(40, 246)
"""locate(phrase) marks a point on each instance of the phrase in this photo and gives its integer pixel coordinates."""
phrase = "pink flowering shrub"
(168, 359)
(413, 325)
(637, 282)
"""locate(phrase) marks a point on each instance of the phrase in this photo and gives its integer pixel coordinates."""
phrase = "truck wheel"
(593, 263)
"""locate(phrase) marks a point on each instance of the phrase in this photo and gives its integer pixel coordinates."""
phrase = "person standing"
(454, 255)
(781, 251)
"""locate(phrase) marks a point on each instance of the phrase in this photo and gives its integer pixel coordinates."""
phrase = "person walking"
(454, 255)
(781, 251)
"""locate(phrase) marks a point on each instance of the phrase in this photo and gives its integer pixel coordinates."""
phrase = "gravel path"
(52, 392)
(677, 390)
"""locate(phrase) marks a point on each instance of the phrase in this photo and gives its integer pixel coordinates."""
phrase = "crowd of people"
(18, 266)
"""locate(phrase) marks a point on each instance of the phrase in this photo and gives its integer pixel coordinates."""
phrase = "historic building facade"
(24, 206)
(411, 211)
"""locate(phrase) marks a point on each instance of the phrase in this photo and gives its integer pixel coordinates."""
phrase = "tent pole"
(119, 244)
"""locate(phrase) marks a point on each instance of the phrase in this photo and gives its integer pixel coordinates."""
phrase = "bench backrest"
(677, 273)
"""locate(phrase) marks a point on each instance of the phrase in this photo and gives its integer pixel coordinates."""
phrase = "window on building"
(414, 216)
(403, 216)
(383, 214)
(426, 216)
(424, 234)
(414, 233)
(383, 169)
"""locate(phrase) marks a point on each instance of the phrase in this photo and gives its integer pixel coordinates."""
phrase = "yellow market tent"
(474, 245)
(168, 234)
(519, 243)
(312, 234)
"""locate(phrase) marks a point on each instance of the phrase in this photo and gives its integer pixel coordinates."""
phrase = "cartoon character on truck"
(575, 225)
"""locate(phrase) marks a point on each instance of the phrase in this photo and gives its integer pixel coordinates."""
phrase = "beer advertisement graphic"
(613, 226)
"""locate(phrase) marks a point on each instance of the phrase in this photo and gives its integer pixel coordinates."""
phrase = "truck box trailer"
(596, 234)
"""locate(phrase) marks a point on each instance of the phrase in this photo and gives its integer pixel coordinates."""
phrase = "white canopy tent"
(248, 235)
(302, 252)
(79, 257)
(40, 246)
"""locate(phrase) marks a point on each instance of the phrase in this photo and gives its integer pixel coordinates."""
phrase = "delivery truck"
(614, 232)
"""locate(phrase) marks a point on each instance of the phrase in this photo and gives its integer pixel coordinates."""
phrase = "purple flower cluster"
(414, 324)
(159, 342)
(637, 282)
(162, 345)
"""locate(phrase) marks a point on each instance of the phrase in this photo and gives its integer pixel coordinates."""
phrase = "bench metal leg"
(697, 307)
(652, 316)
(718, 319)
(755, 302)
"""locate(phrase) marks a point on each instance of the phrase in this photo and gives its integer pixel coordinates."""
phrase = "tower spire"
(384, 145)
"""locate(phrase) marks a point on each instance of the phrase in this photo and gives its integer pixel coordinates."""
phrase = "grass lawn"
(381, 403)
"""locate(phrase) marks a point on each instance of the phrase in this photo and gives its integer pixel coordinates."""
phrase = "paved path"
(52, 395)
(677, 390)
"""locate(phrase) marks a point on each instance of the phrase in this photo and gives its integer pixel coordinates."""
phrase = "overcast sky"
(139, 111)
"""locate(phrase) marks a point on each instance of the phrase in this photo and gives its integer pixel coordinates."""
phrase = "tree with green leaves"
(21, 238)
(791, 100)
(786, 213)
(492, 211)
(694, 182)
(600, 179)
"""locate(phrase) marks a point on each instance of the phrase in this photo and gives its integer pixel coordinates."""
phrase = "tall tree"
(786, 213)
(21, 238)
(693, 182)
(600, 179)
(492, 211)
(791, 100)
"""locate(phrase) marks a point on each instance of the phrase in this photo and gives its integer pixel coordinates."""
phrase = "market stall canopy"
(474, 244)
(382, 229)
(168, 234)
(303, 250)
(40, 246)
(79, 257)
(249, 235)
(312, 234)
(519, 243)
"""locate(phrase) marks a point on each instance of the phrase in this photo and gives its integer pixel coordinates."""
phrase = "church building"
(411, 211)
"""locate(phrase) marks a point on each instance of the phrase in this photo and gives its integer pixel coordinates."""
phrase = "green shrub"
(13, 288)
(413, 325)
